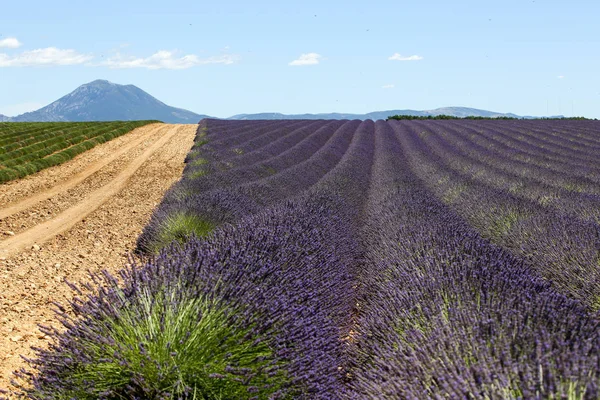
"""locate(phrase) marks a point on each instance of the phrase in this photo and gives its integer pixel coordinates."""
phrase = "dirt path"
(99, 203)
(64, 221)
(24, 204)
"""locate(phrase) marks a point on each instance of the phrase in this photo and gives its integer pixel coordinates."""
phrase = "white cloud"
(399, 57)
(561, 77)
(160, 60)
(11, 43)
(18, 109)
(390, 86)
(44, 57)
(307, 59)
(166, 60)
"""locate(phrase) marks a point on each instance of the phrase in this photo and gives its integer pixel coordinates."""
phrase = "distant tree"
(473, 117)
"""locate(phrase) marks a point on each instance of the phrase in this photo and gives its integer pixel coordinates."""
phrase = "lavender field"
(354, 260)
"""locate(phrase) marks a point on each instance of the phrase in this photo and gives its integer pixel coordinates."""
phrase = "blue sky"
(223, 58)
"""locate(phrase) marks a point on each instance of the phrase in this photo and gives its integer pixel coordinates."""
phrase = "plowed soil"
(80, 216)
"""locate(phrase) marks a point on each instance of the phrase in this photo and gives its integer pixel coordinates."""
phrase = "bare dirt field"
(67, 220)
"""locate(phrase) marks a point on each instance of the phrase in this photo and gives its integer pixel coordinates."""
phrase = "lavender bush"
(252, 311)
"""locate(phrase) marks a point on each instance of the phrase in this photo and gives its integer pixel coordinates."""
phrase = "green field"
(29, 147)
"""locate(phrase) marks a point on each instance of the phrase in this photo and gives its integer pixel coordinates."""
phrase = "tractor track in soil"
(84, 215)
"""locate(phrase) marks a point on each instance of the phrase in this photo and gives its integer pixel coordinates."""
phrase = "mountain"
(4, 118)
(102, 100)
(375, 115)
(298, 116)
(468, 112)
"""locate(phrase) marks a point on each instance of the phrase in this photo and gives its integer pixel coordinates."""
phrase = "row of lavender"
(447, 314)
(349, 259)
(548, 213)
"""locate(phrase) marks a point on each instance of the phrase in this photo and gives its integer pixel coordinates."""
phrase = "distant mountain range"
(375, 115)
(102, 100)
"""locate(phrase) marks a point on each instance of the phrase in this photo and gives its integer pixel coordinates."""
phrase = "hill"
(375, 115)
(102, 100)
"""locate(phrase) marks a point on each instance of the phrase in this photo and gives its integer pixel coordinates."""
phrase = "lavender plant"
(229, 204)
(153, 341)
(525, 227)
(445, 314)
(253, 311)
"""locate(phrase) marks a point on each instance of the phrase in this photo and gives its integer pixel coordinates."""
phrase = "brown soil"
(80, 216)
